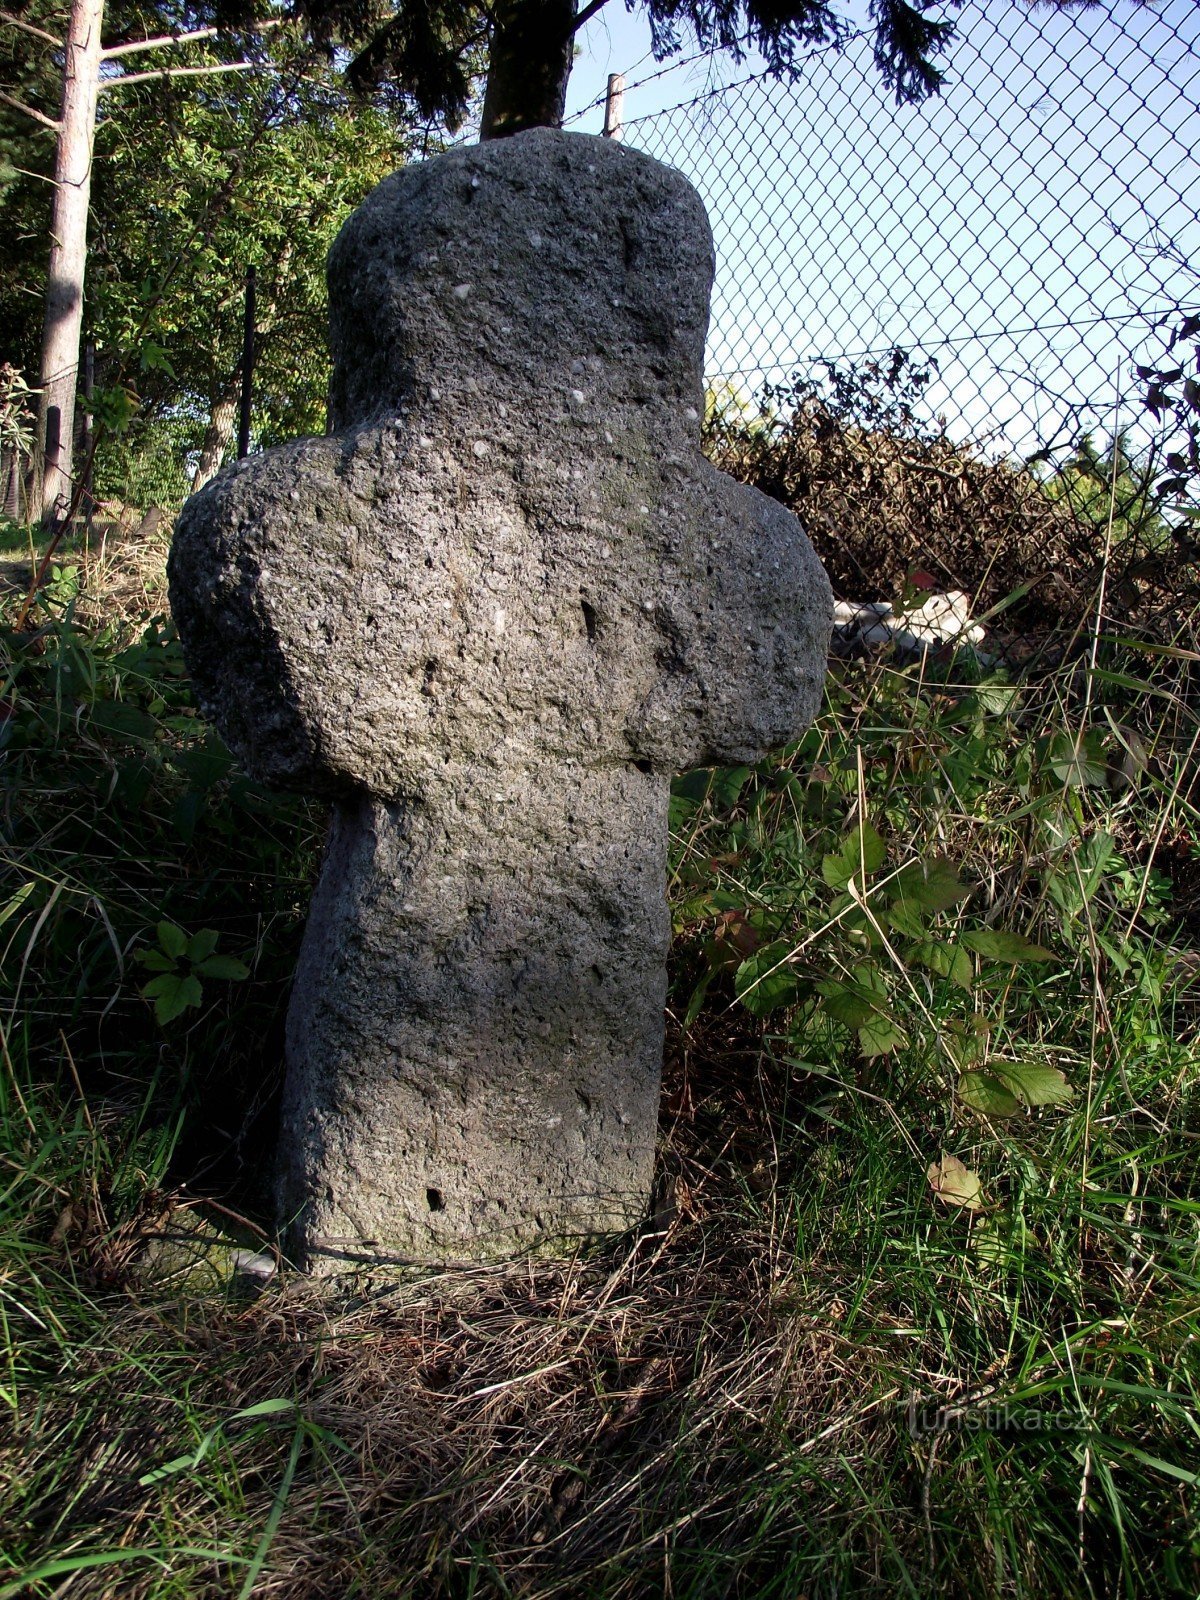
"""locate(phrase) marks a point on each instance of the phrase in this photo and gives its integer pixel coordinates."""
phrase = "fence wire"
(1027, 228)
(982, 276)
(934, 329)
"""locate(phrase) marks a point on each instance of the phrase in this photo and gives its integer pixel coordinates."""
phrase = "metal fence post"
(86, 441)
(613, 102)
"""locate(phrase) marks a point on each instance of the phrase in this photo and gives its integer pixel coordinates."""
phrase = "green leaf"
(955, 1183)
(880, 1036)
(201, 945)
(983, 1091)
(1003, 1087)
(765, 980)
(946, 960)
(695, 1004)
(173, 940)
(228, 968)
(989, 1242)
(853, 1003)
(932, 885)
(907, 918)
(728, 900)
(114, 408)
(861, 852)
(727, 786)
(996, 945)
(966, 1038)
(1034, 1082)
(1078, 761)
(156, 960)
(679, 813)
(125, 721)
(154, 358)
(996, 698)
(1000, 1238)
(172, 995)
(719, 786)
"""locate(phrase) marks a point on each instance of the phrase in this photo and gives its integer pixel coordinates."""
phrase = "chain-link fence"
(961, 339)
(934, 328)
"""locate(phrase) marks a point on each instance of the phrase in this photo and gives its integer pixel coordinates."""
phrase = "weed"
(917, 1308)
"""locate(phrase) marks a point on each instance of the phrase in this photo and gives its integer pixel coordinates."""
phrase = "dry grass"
(880, 504)
(550, 1429)
(714, 1407)
(117, 570)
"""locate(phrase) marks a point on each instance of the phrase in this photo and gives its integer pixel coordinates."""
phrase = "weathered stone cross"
(489, 617)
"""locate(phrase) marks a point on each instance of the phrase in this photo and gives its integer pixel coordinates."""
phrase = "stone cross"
(489, 616)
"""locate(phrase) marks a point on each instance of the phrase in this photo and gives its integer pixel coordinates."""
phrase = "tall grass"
(819, 1370)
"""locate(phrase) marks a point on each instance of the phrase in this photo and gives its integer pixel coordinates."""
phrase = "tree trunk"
(68, 252)
(530, 62)
(216, 440)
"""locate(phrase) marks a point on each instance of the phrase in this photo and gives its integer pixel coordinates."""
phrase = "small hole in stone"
(644, 766)
(589, 620)
(430, 673)
(433, 1198)
(429, 562)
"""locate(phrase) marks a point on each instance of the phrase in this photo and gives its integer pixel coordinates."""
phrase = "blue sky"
(1022, 227)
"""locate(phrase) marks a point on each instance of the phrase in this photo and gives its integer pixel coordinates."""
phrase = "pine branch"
(165, 40)
(31, 111)
(185, 72)
(28, 27)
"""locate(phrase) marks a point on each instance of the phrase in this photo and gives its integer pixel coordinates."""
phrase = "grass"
(960, 918)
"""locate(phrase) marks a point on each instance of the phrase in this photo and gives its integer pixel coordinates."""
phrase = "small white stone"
(643, 511)
(647, 605)
(506, 327)
(480, 447)
(692, 414)
(258, 1264)
(424, 441)
(503, 410)
(608, 438)
(475, 181)
(435, 394)
(535, 239)
(578, 396)
(461, 291)
(499, 620)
